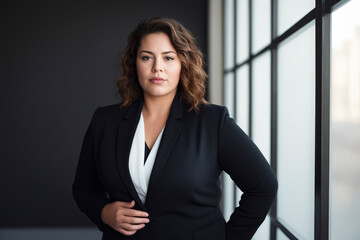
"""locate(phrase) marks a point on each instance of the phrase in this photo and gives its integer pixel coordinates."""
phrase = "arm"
(92, 199)
(87, 190)
(243, 161)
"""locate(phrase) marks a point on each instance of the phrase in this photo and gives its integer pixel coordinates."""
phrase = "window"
(345, 123)
(280, 88)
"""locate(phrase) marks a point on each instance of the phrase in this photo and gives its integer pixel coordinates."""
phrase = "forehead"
(156, 42)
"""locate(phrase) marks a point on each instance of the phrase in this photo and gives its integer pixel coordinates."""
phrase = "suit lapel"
(171, 132)
(125, 134)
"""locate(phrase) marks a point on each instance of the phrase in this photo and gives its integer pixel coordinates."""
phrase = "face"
(158, 66)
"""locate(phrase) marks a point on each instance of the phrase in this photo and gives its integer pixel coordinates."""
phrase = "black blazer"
(184, 190)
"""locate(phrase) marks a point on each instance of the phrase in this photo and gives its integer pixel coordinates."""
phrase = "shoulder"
(109, 113)
(113, 108)
(215, 114)
(212, 109)
(208, 113)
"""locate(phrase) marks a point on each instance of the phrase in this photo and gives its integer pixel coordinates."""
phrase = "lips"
(157, 80)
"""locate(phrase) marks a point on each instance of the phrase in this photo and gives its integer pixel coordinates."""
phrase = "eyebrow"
(167, 52)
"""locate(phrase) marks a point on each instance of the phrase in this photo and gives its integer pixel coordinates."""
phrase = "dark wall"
(58, 63)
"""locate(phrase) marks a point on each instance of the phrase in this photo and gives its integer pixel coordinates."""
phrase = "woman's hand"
(122, 218)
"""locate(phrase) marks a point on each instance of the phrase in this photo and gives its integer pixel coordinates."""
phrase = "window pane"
(242, 98)
(242, 106)
(229, 92)
(242, 31)
(228, 196)
(229, 34)
(296, 132)
(261, 103)
(261, 23)
(291, 11)
(280, 235)
(345, 123)
(228, 184)
(263, 233)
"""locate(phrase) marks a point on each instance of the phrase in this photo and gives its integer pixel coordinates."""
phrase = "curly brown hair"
(192, 76)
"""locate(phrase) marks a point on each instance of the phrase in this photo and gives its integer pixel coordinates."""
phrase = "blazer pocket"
(214, 231)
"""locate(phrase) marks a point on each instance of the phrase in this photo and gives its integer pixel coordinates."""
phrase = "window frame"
(321, 13)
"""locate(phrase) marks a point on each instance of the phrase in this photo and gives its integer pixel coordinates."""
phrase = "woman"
(149, 167)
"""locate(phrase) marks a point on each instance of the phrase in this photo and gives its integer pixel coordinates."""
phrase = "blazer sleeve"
(88, 193)
(243, 161)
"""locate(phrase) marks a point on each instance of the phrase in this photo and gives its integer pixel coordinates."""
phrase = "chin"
(160, 94)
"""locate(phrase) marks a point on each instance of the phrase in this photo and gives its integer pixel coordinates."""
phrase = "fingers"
(126, 209)
(132, 227)
(126, 232)
(135, 220)
(127, 204)
(134, 213)
(129, 229)
(123, 218)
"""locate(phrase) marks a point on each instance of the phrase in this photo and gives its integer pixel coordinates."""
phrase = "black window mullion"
(336, 3)
(283, 229)
(273, 129)
(234, 57)
(250, 68)
(223, 81)
(322, 120)
(235, 78)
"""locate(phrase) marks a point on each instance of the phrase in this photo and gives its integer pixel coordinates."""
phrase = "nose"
(157, 66)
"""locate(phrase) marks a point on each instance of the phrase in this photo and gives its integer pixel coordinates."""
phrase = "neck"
(157, 106)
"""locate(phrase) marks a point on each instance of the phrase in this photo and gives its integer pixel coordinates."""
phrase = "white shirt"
(140, 172)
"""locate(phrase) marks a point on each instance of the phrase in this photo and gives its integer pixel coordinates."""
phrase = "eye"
(169, 58)
(145, 58)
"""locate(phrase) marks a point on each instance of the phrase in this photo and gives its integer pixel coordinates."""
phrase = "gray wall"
(58, 63)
